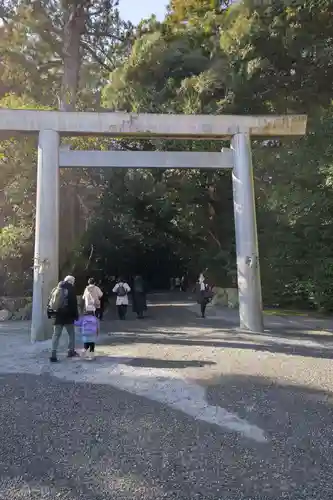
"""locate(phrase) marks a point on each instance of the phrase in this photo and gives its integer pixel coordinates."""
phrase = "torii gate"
(50, 125)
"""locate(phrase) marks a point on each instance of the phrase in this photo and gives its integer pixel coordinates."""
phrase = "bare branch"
(98, 59)
(90, 257)
(215, 239)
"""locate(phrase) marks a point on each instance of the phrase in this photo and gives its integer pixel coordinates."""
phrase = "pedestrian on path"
(183, 284)
(139, 296)
(92, 296)
(88, 325)
(104, 302)
(122, 290)
(62, 306)
(204, 294)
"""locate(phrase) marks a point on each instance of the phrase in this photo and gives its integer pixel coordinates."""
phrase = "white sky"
(135, 10)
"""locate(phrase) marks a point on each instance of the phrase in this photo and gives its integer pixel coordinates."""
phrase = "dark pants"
(90, 346)
(122, 310)
(99, 313)
(203, 306)
(139, 303)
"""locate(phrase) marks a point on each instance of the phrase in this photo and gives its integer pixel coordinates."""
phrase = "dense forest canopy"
(207, 56)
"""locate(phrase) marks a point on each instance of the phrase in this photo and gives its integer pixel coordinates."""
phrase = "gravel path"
(102, 430)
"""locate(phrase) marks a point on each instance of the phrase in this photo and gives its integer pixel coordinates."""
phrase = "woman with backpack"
(122, 290)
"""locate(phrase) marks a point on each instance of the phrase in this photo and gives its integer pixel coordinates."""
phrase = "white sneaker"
(85, 354)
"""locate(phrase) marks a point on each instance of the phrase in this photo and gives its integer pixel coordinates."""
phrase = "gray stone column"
(249, 286)
(46, 258)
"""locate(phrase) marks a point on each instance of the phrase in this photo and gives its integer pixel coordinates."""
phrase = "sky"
(135, 10)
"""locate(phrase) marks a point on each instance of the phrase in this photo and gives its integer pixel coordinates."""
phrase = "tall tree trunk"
(75, 17)
(75, 21)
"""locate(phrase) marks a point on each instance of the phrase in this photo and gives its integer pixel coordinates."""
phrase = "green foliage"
(32, 67)
(296, 252)
(15, 259)
(33, 47)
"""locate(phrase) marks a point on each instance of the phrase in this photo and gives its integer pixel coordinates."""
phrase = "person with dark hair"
(122, 290)
(139, 296)
(204, 294)
(104, 301)
(92, 296)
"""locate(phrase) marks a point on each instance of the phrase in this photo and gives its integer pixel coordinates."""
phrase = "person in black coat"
(204, 294)
(65, 317)
(103, 301)
(139, 296)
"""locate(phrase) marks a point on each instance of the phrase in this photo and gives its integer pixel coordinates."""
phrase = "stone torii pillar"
(46, 257)
(247, 252)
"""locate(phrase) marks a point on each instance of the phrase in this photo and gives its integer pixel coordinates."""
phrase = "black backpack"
(121, 292)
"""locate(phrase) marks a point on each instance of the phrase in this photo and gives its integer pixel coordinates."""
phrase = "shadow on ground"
(167, 325)
(154, 362)
(177, 315)
(72, 441)
(156, 338)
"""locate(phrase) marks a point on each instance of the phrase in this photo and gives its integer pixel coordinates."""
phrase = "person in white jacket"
(122, 290)
(92, 297)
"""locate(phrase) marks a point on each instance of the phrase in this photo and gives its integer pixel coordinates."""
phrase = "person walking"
(183, 285)
(122, 290)
(104, 301)
(139, 296)
(88, 325)
(178, 283)
(62, 306)
(92, 296)
(204, 294)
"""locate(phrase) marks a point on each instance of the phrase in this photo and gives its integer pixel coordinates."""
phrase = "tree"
(49, 42)
(46, 45)
(41, 66)
(279, 56)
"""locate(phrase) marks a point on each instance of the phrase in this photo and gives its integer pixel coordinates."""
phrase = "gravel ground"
(71, 440)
